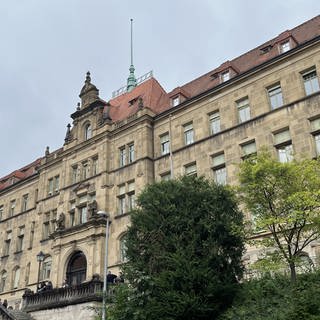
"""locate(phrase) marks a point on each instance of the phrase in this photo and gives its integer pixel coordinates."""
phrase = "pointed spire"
(132, 81)
(88, 78)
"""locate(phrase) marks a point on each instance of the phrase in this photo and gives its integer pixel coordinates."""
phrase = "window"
(31, 234)
(87, 131)
(249, 149)
(3, 278)
(283, 145)
(7, 242)
(188, 133)
(275, 96)
(123, 249)
(122, 152)
(131, 153)
(225, 76)
(46, 226)
(122, 199)
(27, 273)
(285, 46)
(12, 207)
(311, 82)
(20, 243)
(243, 110)
(95, 168)
(165, 176)
(165, 143)
(214, 119)
(83, 214)
(16, 278)
(317, 143)
(1, 212)
(131, 196)
(190, 169)
(24, 205)
(46, 268)
(175, 101)
(219, 169)
(85, 170)
(53, 185)
(74, 174)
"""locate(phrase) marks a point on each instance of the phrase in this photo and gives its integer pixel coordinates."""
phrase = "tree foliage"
(284, 199)
(184, 250)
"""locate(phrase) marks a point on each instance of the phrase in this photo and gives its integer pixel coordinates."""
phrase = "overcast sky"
(49, 45)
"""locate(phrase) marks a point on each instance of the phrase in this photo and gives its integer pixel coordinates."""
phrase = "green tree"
(184, 250)
(284, 199)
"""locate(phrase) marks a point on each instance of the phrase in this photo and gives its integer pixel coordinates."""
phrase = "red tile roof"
(156, 99)
(19, 175)
(153, 95)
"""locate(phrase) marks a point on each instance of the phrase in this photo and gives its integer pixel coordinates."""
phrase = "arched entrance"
(77, 269)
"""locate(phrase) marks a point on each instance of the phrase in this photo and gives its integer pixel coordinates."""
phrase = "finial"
(47, 151)
(78, 106)
(88, 78)
(68, 134)
(132, 81)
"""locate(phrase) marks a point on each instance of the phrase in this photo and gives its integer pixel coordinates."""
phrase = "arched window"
(87, 131)
(16, 277)
(77, 269)
(123, 249)
(3, 278)
(46, 268)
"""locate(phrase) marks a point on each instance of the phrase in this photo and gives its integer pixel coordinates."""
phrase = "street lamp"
(40, 258)
(105, 271)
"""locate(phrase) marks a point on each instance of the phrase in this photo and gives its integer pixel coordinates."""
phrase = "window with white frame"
(165, 143)
(20, 242)
(74, 174)
(53, 185)
(214, 119)
(121, 199)
(311, 81)
(275, 96)
(175, 101)
(122, 156)
(190, 169)
(243, 110)
(130, 153)
(248, 149)
(225, 76)
(219, 169)
(165, 176)
(87, 131)
(188, 133)
(315, 130)
(283, 145)
(24, 204)
(7, 242)
(12, 208)
(285, 46)
(46, 268)
(131, 196)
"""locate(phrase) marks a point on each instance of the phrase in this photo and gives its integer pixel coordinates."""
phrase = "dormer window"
(225, 76)
(175, 101)
(87, 131)
(285, 46)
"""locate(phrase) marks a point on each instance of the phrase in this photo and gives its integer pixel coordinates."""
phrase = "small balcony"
(61, 297)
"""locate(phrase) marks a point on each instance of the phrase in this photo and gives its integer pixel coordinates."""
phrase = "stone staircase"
(6, 314)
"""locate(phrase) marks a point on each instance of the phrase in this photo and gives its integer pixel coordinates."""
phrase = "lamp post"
(40, 258)
(105, 271)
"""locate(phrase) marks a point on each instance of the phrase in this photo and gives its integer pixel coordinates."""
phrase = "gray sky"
(49, 45)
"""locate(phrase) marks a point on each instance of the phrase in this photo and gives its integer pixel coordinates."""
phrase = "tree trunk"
(293, 274)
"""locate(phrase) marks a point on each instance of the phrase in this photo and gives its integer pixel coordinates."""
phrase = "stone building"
(269, 96)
